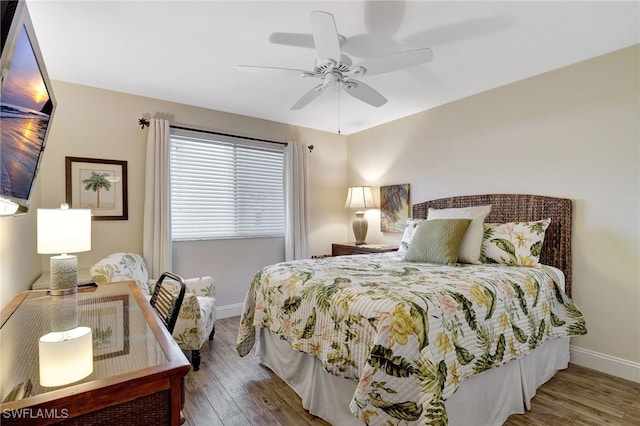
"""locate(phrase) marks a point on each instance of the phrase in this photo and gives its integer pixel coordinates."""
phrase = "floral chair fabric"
(196, 320)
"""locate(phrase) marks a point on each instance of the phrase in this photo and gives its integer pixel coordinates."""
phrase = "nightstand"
(346, 249)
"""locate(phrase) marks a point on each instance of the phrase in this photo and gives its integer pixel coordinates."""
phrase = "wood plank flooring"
(233, 391)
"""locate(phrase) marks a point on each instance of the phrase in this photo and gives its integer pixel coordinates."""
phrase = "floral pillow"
(409, 232)
(514, 243)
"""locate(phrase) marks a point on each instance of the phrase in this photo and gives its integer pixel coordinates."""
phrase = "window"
(224, 187)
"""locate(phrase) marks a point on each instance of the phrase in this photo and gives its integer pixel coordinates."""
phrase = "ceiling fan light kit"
(334, 68)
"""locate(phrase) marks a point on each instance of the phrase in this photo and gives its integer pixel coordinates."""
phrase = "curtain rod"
(143, 122)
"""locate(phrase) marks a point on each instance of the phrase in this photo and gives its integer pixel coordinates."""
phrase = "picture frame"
(395, 207)
(99, 185)
(108, 318)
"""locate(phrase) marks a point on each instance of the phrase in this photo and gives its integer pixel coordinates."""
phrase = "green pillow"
(437, 241)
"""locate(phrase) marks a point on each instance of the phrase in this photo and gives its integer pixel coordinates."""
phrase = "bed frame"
(556, 250)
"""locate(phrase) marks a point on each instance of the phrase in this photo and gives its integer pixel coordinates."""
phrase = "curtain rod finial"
(143, 122)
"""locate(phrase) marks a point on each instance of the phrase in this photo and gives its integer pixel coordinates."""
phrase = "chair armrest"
(190, 300)
(202, 286)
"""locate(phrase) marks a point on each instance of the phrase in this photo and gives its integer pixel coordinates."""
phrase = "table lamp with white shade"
(360, 198)
(66, 353)
(62, 231)
(65, 356)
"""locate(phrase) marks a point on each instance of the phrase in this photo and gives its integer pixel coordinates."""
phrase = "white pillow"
(471, 245)
(409, 231)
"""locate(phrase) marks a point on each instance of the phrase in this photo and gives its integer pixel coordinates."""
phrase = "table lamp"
(359, 198)
(63, 231)
(65, 356)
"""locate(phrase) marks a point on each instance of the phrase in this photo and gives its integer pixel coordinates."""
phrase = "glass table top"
(123, 341)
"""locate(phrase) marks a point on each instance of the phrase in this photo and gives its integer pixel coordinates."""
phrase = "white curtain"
(156, 236)
(297, 202)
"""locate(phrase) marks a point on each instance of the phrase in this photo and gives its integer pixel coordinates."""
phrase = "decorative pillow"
(437, 241)
(514, 243)
(409, 231)
(471, 245)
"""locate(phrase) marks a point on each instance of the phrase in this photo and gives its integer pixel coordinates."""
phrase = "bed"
(374, 339)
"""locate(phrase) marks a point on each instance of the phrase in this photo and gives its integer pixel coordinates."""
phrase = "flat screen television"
(27, 105)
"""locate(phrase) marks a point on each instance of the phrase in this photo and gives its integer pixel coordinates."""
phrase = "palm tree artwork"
(394, 207)
(96, 182)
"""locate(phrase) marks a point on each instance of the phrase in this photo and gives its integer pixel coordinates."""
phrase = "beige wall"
(570, 133)
(19, 263)
(95, 123)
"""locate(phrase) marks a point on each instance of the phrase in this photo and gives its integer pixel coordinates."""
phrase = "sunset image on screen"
(25, 110)
(24, 86)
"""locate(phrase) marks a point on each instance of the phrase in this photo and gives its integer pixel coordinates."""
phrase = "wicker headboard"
(556, 250)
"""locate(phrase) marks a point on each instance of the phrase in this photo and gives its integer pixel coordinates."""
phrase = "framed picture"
(395, 207)
(99, 185)
(108, 318)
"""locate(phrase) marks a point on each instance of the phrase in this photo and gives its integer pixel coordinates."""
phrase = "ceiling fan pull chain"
(339, 90)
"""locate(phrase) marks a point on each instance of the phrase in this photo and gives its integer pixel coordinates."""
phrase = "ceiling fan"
(334, 68)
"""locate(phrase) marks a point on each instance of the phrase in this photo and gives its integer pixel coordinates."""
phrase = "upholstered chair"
(196, 321)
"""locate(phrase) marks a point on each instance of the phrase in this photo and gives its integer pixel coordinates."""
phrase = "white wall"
(96, 123)
(571, 133)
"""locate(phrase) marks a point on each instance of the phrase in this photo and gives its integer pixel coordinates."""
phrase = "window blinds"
(224, 187)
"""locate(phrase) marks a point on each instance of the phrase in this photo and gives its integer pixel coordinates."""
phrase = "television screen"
(26, 108)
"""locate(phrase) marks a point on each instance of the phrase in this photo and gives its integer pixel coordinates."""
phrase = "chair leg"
(213, 332)
(195, 359)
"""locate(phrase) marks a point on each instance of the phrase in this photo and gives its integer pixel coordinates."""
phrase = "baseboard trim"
(227, 311)
(615, 366)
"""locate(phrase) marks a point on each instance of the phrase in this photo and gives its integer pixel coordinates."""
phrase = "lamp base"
(64, 312)
(64, 274)
(360, 227)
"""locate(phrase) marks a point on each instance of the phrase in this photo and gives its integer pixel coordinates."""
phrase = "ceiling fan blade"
(325, 36)
(395, 61)
(292, 39)
(272, 70)
(309, 96)
(365, 93)
(297, 39)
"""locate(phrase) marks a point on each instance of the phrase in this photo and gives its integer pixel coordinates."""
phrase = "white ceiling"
(186, 52)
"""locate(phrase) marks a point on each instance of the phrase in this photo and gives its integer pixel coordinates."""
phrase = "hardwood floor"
(229, 390)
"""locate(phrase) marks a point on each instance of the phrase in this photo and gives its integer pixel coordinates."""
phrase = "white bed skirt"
(486, 399)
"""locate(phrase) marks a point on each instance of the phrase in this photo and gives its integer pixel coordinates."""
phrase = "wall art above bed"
(395, 207)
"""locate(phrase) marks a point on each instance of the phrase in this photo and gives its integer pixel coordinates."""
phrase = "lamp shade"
(65, 357)
(359, 197)
(64, 230)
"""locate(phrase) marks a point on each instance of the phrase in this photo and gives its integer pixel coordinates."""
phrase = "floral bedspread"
(410, 333)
